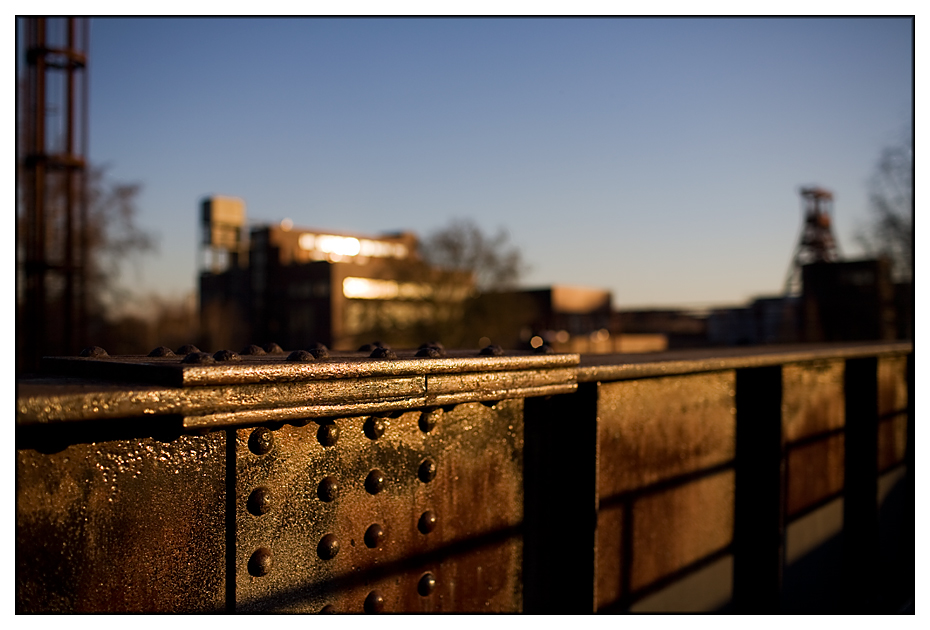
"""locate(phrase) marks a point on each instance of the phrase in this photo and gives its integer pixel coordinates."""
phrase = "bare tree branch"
(891, 231)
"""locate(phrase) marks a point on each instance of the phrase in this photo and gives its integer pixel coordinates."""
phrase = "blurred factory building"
(296, 286)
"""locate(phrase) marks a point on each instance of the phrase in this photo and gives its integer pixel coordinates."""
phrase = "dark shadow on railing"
(627, 502)
(627, 601)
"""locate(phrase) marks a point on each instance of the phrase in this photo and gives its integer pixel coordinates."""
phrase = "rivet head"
(427, 470)
(260, 562)
(374, 535)
(427, 522)
(374, 482)
(93, 352)
(428, 420)
(328, 547)
(161, 351)
(374, 428)
(429, 353)
(327, 434)
(374, 603)
(260, 501)
(226, 355)
(186, 349)
(272, 348)
(328, 489)
(383, 353)
(426, 585)
(435, 345)
(318, 350)
(301, 356)
(328, 609)
(198, 358)
(492, 351)
(261, 441)
(252, 350)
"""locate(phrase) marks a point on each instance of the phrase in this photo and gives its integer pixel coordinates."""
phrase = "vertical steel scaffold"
(53, 229)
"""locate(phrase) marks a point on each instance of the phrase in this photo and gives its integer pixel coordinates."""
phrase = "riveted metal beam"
(261, 389)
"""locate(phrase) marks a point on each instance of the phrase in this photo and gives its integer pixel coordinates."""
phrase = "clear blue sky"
(657, 158)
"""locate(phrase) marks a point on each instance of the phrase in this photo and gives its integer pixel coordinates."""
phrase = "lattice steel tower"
(52, 215)
(817, 243)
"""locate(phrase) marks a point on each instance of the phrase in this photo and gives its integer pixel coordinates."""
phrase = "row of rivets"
(260, 501)
(262, 439)
(374, 602)
(328, 546)
(328, 487)
(316, 350)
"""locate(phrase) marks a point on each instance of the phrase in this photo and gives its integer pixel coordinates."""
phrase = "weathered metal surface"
(354, 526)
(654, 429)
(813, 421)
(615, 367)
(651, 543)
(665, 481)
(266, 369)
(357, 485)
(892, 411)
(261, 389)
(814, 473)
(611, 583)
(96, 401)
(680, 526)
(892, 441)
(892, 385)
(122, 526)
(812, 399)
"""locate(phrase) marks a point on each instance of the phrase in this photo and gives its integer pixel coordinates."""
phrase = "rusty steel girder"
(262, 484)
(427, 481)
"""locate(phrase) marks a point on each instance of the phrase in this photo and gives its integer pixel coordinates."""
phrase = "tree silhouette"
(891, 196)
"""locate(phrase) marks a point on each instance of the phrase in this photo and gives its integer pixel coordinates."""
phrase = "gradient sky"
(658, 158)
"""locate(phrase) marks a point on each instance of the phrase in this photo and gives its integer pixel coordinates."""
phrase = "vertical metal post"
(760, 491)
(560, 509)
(860, 507)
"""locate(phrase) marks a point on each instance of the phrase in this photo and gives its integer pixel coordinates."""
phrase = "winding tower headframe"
(817, 243)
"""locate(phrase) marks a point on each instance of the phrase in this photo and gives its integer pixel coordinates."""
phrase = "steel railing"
(773, 479)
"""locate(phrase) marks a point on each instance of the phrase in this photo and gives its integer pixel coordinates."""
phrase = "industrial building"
(295, 286)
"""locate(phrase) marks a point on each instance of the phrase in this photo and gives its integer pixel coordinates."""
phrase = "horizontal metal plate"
(272, 391)
(615, 367)
(276, 368)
